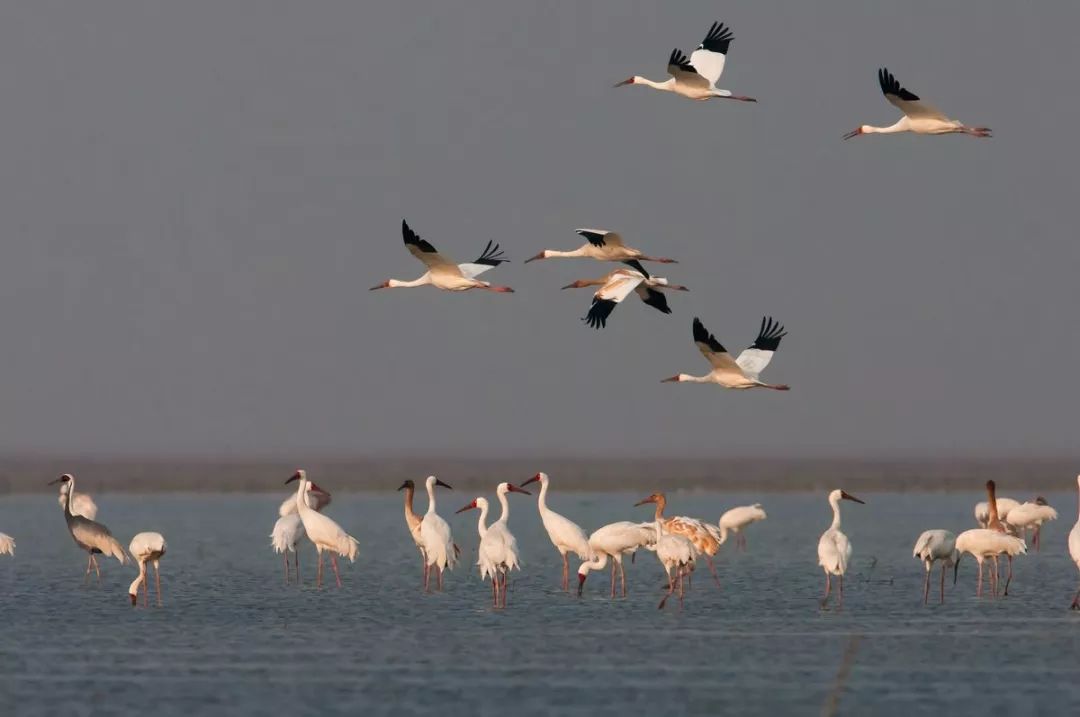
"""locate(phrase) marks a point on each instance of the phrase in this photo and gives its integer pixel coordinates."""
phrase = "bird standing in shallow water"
(834, 548)
(146, 548)
(91, 536)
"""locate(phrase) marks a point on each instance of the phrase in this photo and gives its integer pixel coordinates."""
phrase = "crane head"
(408, 484)
(535, 478)
(62, 479)
(844, 495)
(654, 498)
(470, 506)
(855, 132)
(299, 474)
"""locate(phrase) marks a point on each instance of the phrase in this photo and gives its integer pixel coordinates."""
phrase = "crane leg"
(333, 564)
(494, 593)
(97, 568)
(427, 575)
(145, 589)
(828, 588)
(840, 604)
(1008, 579)
(89, 564)
(671, 589)
(994, 578)
(157, 583)
(612, 578)
(286, 555)
(318, 571)
(565, 573)
(942, 583)
(978, 590)
(682, 576)
(296, 564)
(440, 578)
(1076, 601)
(712, 569)
(926, 587)
(622, 577)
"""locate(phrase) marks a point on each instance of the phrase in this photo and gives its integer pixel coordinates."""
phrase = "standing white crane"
(289, 529)
(696, 78)
(737, 519)
(618, 285)
(676, 553)
(920, 117)
(1030, 515)
(146, 548)
(566, 535)
(498, 553)
(84, 504)
(834, 548)
(1074, 547)
(613, 541)
(7, 544)
(990, 542)
(443, 273)
(704, 537)
(92, 537)
(936, 546)
(322, 531)
(740, 373)
(436, 537)
(602, 245)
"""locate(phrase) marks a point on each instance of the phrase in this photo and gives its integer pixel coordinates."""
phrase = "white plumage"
(1004, 507)
(7, 544)
(619, 284)
(1030, 516)
(83, 504)
(288, 531)
(602, 245)
(920, 117)
(696, 78)
(676, 553)
(613, 541)
(983, 543)
(1074, 545)
(443, 273)
(936, 546)
(743, 372)
(498, 552)
(322, 531)
(739, 518)
(146, 548)
(435, 536)
(834, 549)
(566, 535)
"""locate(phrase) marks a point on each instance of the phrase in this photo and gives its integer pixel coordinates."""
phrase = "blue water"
(233, 638)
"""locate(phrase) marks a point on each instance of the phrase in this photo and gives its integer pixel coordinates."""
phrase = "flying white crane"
(498, 546)
(443, 273)
(696, 78)
(289, 529)
(1074, 547)
(676, 553)
(146, 548)
(322, 531)
(919, 117)
(936, 546)
(7, 544)
(436, 537)
(737, 519)
(613, 541)
(1004, 507)
(602, 245)
(1030, 515)
(834, 548)
(84, 504)
(92, 537)
(618, 285)
(566, 535)
(704, 537)
(742, 372)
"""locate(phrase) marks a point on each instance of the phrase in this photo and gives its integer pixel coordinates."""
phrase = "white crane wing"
(619, 286)
(753, 360)
(708, 59)
(907, 102)
(490, 258)
(684, 71)
(425, 252)
(713, 351)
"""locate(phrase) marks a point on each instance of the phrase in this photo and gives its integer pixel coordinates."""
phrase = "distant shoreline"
(1014, 477)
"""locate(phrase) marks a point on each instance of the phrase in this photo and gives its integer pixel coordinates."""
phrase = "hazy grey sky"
(195, 198)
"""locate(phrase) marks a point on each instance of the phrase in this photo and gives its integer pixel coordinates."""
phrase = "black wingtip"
(769, 335)
(890, 86)
(718, 39)
(657, 300)
(636, 266)
(599, 312)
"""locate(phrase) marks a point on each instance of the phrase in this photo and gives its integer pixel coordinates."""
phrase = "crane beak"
(470, 506)
(296, 476)
(531, 480)
(444, 485)
(384, 285)
(848, 496)
(535, 258)
(672, 379)
(574, 285)
(677, 287)
(628, 81)
(643, 501)
(134, 598)
(955, 570)
(853, 133)
(580, 583)
(54, 482)
(511, 488)
(404, 485)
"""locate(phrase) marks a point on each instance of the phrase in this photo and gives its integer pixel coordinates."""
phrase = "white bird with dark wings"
(742, 372)
(443, 273)
(618, 285)
(602, 245)
(919, 117)
(696, 78)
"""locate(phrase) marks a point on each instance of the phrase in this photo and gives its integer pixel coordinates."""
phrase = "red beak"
(470, 506)
(511, 488)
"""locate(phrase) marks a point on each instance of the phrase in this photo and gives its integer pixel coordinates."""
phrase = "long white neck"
(597, 562)
(685, 377)
(834, 501)
(723, 535)
(301, 488)
(430, 497)
(481, 524)
(70, 496)
(1078, 500)
(398, 283)
(901, 125)
(556, 254)
(505, 508)
(134, 589)
(666, 85)
(542, 500)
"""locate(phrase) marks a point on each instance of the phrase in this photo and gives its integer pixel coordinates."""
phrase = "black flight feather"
(890, 86)
(702, 336)
(412, 238)
(718, 39)
(598, 314)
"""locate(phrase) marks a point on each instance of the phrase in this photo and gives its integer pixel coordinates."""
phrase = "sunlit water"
(232, 638)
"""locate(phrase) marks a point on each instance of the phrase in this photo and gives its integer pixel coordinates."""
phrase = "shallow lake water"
(232, 638)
